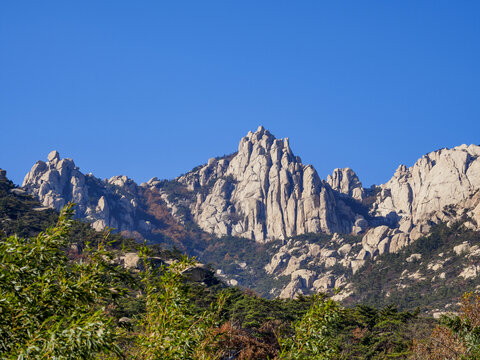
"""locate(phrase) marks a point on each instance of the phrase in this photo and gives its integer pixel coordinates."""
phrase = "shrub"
(458, 337)
(314, 334)
(51, 307)
(170, 328)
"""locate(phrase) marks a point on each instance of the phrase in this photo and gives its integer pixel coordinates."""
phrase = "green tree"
(51, 307)
(170, 327)
(314, 334)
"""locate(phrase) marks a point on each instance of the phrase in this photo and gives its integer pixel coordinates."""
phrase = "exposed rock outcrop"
(345, 181)
(438, 179)
(264, 192)
(309, 265)
(103, 202)
(442, 186)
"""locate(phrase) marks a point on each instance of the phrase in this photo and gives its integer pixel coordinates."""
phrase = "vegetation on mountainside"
(431, 282)
(187, 237)
(416, 282)
(457, 337)
(243, 260)
(17, 214)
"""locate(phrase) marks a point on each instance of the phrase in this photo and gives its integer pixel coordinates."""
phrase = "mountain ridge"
(263, 192)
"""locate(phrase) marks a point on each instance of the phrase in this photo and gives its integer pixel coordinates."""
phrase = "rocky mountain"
(312, 234)
(439, 179)
(264, 192)
(442, 186)
(118, 203)
(105, 203)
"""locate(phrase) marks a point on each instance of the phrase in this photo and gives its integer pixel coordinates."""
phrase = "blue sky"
(154, 88)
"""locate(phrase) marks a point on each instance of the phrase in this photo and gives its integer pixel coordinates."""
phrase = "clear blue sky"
(154, 88)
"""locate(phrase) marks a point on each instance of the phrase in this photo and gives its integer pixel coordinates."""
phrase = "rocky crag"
(264, 192)
(117, 203)
(104, 203)
(442, 186)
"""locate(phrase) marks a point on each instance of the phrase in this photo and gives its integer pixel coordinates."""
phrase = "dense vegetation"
(17, 214)
(64, 294)
(50, 306)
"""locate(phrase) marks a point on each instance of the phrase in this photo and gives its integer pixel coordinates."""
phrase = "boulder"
(470, 272)
(356, 265)
(414, 257)
(305, 276)
(292, 290)
(373, 237)
(325, 283)
(462, 248)
(53, 157)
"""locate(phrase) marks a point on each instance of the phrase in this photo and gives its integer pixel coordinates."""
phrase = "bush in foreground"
(51, 307)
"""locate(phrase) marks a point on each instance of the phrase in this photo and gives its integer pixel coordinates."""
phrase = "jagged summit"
(438, 179)
(264, 142)
(265, 192)
(346, 181)
(51, 180)
(59, 181)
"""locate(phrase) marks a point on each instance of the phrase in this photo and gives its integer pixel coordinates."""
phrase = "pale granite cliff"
(264, 192)
(104, 203)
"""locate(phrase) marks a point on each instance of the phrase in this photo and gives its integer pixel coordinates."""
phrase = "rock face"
(265, 192)
(56, 182)
(345, 181)
(104, 203)
(438, 179)
(442, 186)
